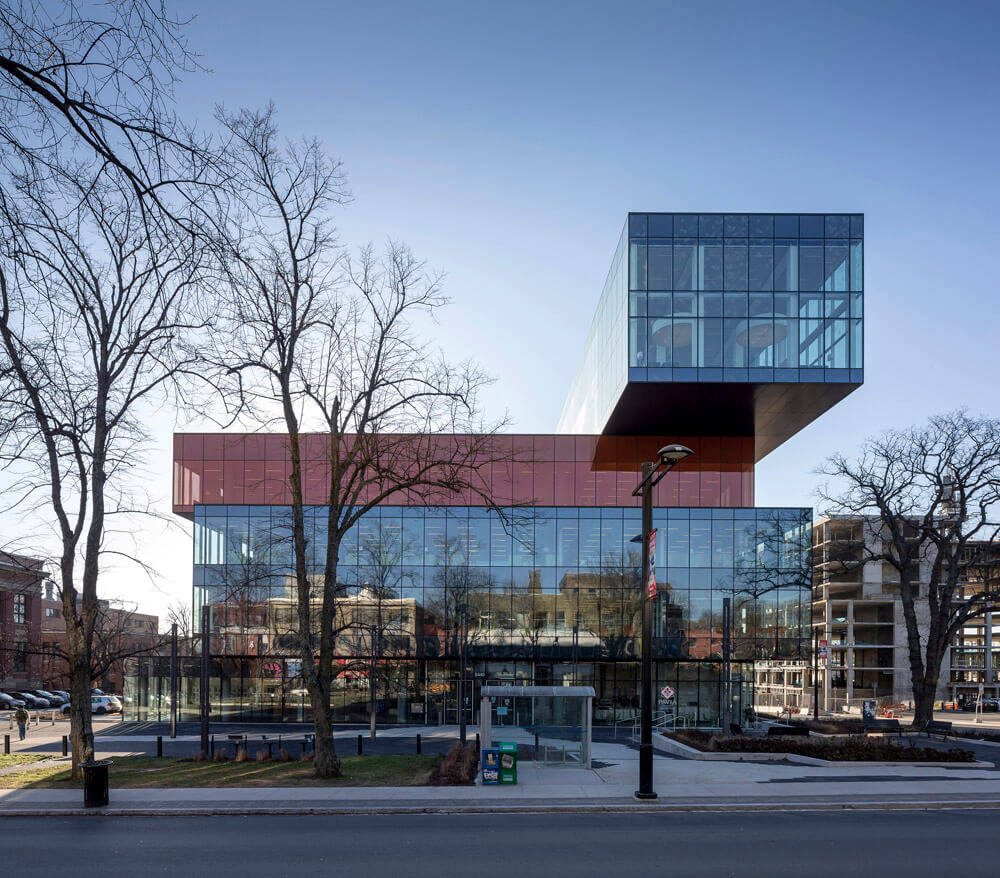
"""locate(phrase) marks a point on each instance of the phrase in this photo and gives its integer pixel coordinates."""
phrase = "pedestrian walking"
(21, 718)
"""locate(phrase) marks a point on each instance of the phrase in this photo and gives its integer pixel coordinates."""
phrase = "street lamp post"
(652, 473)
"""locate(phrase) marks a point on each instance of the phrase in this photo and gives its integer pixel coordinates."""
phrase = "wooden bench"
(938, 727)
(788, 731)
(883, 726)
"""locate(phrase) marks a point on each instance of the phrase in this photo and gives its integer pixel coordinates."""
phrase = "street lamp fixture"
(652, 474)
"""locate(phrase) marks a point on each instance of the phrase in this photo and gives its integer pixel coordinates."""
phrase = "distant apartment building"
(20, 620)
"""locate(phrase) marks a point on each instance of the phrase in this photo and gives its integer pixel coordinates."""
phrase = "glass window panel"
(545, 539)
(735, 304)
(637, 341)
(684, 343)
(660, 340)
(710, 304)
(710, 264)
(685, 265)
(761, 226)
(637, 225)
(836, 344)
(761, 304)
(810, 305)
(637, 304)
(710, 343)
(735, 343)
(661, 225)
(785, 343)
(710, 225)
(786, 265)
(736, 225)
(685, 225)
(836, 267)
(658, 304)
(838, 226)
(722, 543)
(836, 305)
(857, 266)
(811, 226)
(413, 540)
(685, 304)
(811, 265)
(660, 262)
(810, 343)
(761, 267)
(857, 345)
(678, 542)
(701, 542)
(857, 226)
(637, 265)
(857, 305)
(479, 541)
(568, 535)
(761, 343)
(786, 225)
(736, 265)
(786, 304)
(590, 543)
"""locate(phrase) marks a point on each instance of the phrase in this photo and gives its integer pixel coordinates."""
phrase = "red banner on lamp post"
(651, 584)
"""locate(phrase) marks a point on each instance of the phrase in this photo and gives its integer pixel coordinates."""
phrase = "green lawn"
(137, 772)
(21, 759)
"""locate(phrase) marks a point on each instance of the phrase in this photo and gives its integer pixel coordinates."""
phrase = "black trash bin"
(95, 783)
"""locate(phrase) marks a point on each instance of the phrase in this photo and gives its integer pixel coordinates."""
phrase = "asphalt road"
(756, 845)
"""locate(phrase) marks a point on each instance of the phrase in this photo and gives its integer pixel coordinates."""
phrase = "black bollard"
(65, 743)
(212, 746)
(360, 745)
(6, 745)
(418, 745)
(477, 742)
(159, 745)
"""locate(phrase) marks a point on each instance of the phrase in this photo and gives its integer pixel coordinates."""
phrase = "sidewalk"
(682, 785)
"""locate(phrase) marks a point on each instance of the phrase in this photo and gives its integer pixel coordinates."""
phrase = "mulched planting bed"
(853, 749)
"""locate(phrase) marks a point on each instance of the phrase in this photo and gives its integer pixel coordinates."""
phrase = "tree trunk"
(81, 726)
(326, 762)
(923, 702)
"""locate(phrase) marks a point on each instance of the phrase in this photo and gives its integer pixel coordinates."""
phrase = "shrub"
(284, 755)
(262, 756)
(220, 756)
(457, 768)
(845, 749)
(241, 755)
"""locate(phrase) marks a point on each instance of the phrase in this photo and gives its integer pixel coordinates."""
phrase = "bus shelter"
(553, 720)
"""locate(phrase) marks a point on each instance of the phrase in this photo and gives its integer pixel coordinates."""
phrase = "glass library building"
(726, 333)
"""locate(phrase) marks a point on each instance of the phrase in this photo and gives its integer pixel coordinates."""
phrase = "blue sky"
(506, 142)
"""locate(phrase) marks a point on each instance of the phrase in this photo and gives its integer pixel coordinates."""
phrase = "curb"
(516, 809)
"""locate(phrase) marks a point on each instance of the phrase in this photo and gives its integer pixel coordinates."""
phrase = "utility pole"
(173, 680)
(206, 621)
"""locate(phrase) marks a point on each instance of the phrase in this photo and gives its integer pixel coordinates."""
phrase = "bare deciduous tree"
(96, 314)
(929, 498)
(90, 86)
(330, 344)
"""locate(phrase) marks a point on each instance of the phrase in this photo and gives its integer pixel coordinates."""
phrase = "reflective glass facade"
(753, 298)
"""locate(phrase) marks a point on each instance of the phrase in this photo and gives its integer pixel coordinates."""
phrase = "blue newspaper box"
(491, 765)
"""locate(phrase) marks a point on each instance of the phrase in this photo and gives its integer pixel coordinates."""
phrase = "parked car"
(53, 699)
(101, 704)
(9, 702)
(32, 702)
